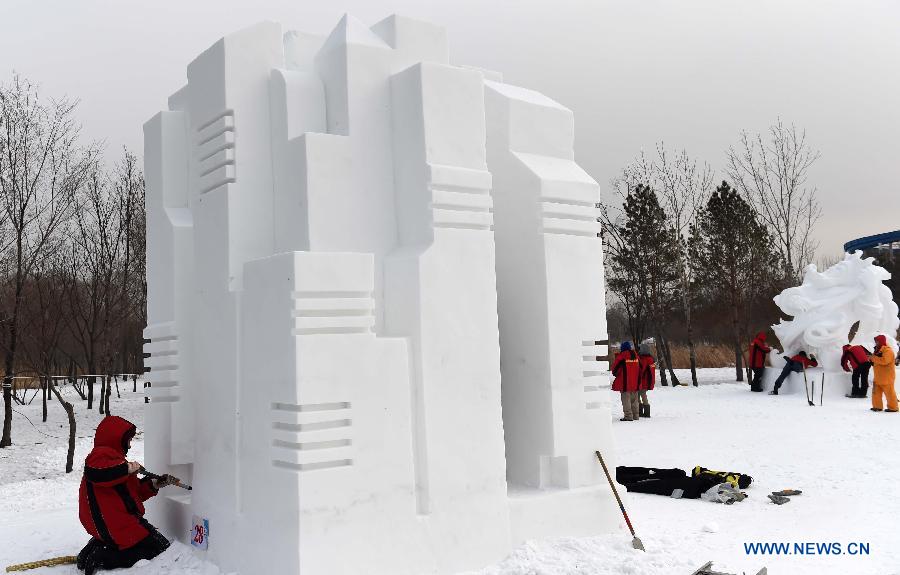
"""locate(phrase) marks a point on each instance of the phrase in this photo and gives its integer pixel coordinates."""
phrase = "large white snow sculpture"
(324, 281)
(827, 304)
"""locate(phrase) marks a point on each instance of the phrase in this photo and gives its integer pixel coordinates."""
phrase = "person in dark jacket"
(796, 364)
(646, 378)
(626, 370)
(856, 359)
(757, 360)
(111, 502)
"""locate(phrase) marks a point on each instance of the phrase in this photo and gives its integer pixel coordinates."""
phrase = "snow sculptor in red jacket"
(111, 500)
(626, 369)
(647, 378)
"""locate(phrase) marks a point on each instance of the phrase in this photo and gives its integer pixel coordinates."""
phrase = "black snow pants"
(756, 382)
(861, 379)
(789, 367)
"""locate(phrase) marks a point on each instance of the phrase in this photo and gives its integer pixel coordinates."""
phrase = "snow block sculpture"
(827, 305)
(375, 308)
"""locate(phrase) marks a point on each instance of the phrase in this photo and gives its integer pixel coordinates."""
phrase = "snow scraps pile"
(843, 457)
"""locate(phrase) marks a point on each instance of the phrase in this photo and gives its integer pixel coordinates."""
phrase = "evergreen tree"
(644, 269)
(733, 256)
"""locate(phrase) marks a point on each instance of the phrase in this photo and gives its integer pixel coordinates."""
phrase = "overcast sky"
(692, 73)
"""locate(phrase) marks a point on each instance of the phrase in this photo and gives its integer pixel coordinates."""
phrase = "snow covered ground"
(844, 458)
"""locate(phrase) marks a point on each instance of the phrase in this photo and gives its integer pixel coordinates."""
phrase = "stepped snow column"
(225, 167)
(441, 294)
(326, 426)
(552, 316)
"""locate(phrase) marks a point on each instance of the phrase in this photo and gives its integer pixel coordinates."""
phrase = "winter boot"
(84, 553)
(646, 409)
(94, 559)
(773, 392)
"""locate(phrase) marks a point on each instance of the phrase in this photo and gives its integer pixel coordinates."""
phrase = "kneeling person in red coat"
(111, 502)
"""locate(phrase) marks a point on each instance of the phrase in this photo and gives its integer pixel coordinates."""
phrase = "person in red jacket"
(626, 369)
(856, 359)
(757, 360)
(646, 378)
(796, 364)
(111, 502)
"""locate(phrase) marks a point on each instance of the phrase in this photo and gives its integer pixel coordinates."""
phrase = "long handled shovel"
(635, 542)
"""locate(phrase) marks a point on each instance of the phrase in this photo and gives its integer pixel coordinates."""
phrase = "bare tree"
(130, 193)
(44, 305)
(772, 171)
(683, 185)
(96, 293)
(41, 167)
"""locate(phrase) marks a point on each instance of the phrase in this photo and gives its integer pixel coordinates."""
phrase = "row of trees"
(681, 249)
(72, 279)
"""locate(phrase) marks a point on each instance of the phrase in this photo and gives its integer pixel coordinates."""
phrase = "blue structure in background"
(872, 241)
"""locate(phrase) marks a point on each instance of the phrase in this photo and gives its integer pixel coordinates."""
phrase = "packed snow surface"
(842, 456)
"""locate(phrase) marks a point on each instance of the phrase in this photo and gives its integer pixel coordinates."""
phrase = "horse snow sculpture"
(827, 304)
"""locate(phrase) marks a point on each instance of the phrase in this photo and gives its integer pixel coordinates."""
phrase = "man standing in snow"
(626, 369)
(856, 359)
(646, 378)
(796, 364)
(111, 502)
(885, 373)
(758, 352)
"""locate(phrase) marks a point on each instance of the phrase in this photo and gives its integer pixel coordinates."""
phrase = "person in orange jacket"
(646, 379)
(883, 362)
(626, 369)
(758, 352)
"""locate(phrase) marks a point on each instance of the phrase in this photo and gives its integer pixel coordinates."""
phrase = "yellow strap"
(64, 560)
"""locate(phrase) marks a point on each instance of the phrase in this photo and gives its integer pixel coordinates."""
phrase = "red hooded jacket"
(758, 351)
(648, 372)
(853, 357)
(626, 369)
(110, 501)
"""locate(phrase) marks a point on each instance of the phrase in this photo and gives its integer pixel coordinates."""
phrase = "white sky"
(692, 73)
